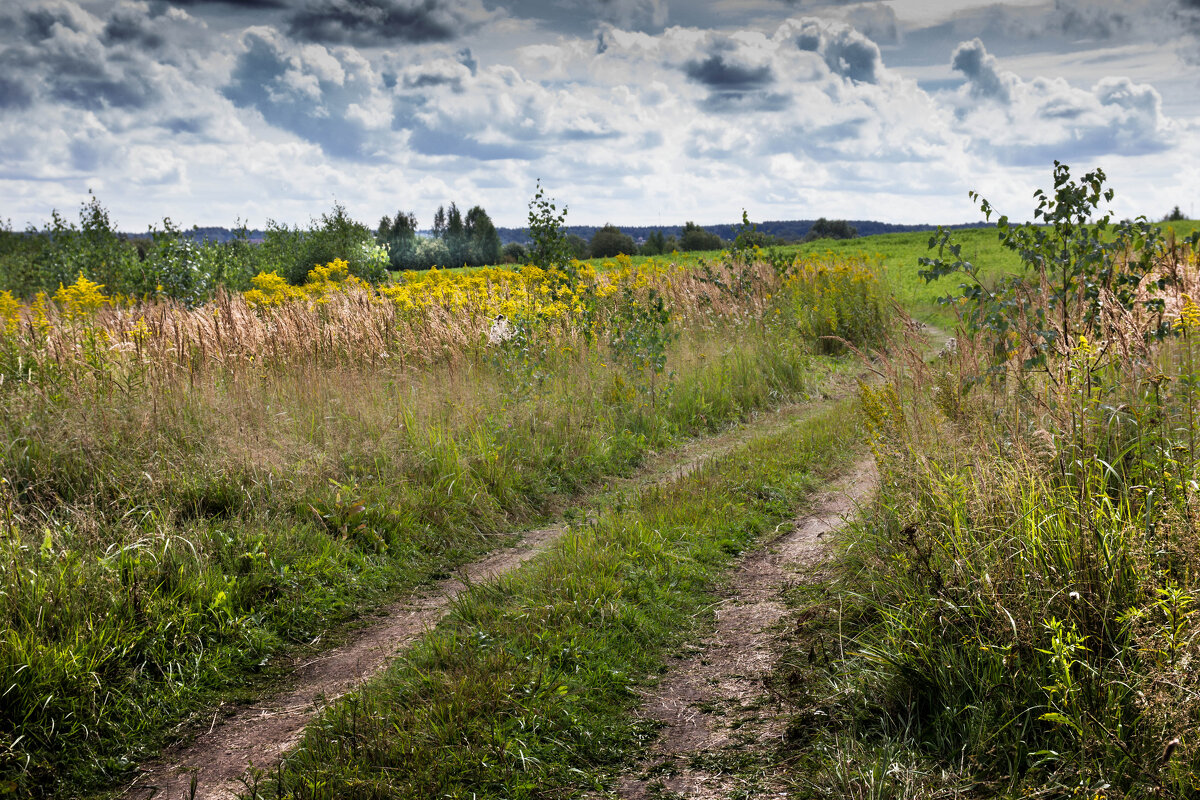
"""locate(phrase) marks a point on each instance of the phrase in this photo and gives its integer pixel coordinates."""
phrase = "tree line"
(609, 241)
(457, 240)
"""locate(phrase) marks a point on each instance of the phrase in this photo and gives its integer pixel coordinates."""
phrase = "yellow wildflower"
(10, 311)
(1189, 315)
(81, 298)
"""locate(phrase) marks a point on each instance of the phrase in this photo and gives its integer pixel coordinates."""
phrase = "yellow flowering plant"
(81, 299)
(10, 312)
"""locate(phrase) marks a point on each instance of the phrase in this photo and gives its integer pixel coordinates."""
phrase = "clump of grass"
(83, 336)
(838, 300)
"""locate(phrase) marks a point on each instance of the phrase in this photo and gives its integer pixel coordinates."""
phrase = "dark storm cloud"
(1187, 14)
(73, 67)
(97, 92)
(249, 4)
(852, 55)
(311, 99)
(1087, 21)
(735, 85)
(427, 80)
(128, 26)
(372, 22)
(845, 51)
(39, 23)
(14, 94)
(973, 61)
(580, 17)
(717, 73)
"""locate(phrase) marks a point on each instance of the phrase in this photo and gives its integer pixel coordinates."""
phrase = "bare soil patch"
(713, 708)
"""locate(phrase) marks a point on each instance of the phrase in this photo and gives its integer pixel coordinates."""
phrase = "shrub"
(549, 247)
(334, 236)
(432, 252)
(694, 237)
(830, 229)
(515, 253)
(609, 241)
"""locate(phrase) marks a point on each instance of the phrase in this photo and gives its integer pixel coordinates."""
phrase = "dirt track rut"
(261, 733)
(710, 705)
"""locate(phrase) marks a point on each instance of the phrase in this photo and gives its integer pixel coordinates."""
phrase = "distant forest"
(790, 230)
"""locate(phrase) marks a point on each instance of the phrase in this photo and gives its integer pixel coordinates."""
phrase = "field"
(578, 474)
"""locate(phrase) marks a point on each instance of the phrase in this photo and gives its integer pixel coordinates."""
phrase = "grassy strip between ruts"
(524, 691)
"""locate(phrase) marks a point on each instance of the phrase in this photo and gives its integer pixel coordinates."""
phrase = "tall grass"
(190, 495)
(525, 690)
(1018, 619)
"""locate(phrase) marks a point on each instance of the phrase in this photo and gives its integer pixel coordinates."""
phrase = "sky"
(635, 112)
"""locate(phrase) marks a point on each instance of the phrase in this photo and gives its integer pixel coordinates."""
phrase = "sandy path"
(711, 704)
(261, 733)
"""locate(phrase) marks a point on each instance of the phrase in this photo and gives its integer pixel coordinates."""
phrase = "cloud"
(14, 94)
(1186, 15)
(630, 14)
(491, 113)
(71, 64)
(738, 79)
(797, 118)
(120, 62)
(129, 24)
(581, 17)
(814, 88)
(250, 4)
(750, 71)
(717, 73)
(1059, 24)
(876, 22)
(40, 22)
(1095, 20)
(982, 72)
(1035, 121)
(845, 51)
(330, 97)
(375, 22)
